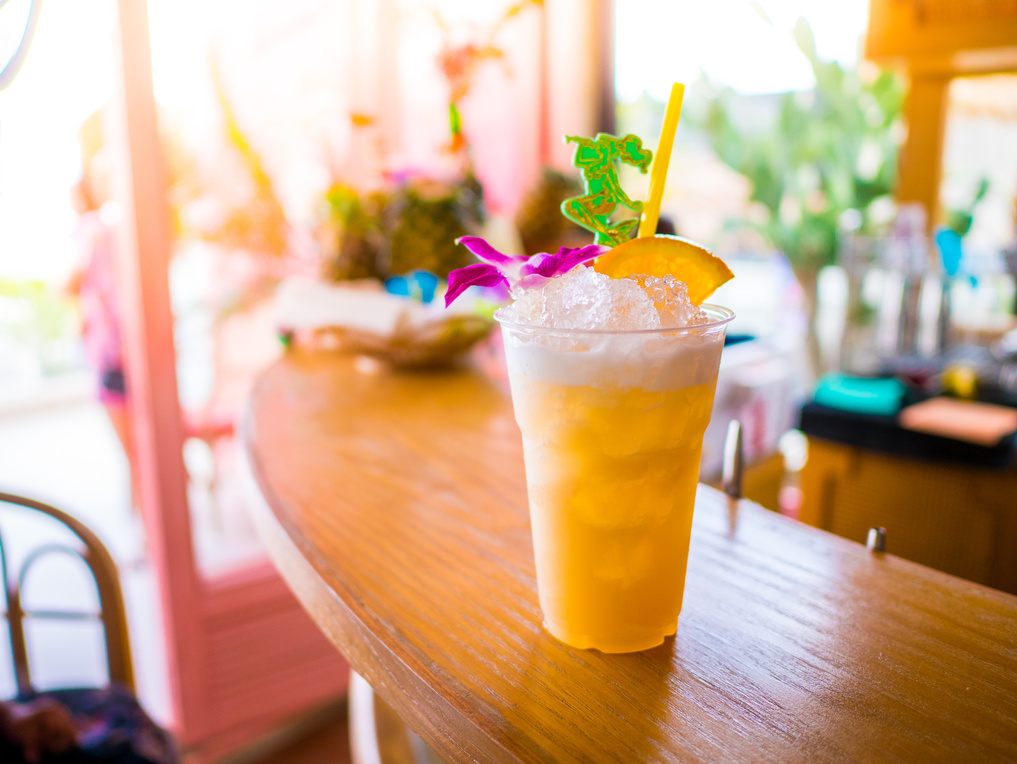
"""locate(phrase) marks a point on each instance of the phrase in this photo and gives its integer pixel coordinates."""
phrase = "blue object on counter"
(419, 285)
(861, 395)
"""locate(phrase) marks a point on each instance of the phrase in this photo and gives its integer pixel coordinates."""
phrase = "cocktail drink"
(612, 421)
(612, 369)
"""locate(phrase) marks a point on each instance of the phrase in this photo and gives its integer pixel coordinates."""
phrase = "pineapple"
(357, 237)
(423, 221)
(540, 223)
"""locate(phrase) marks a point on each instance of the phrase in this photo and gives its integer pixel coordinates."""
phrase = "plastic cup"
(612, 425)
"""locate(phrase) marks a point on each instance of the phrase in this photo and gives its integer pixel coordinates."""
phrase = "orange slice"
(661, 255)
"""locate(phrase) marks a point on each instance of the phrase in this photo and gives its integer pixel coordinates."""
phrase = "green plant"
(959, 220)
(831, 150)
(37, 316)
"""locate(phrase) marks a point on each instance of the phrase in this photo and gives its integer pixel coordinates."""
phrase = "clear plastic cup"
(612, 425)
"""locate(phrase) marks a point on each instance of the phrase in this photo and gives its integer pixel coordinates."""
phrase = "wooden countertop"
(395, 507)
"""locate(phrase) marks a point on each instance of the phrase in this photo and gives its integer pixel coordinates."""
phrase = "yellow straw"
(658, 172)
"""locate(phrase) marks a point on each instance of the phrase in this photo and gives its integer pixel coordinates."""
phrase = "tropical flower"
(514, 271)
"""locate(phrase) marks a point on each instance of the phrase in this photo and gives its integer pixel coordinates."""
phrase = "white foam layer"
(651, 361)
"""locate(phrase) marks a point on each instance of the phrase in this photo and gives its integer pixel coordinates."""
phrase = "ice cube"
(586, 299)
(671, 299)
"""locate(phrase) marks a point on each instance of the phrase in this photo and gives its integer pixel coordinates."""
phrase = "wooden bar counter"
(394, 504)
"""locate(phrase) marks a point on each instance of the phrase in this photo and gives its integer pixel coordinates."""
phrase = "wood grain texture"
(956, 518)
(395, 507)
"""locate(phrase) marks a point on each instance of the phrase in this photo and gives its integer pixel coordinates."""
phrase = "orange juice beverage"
(612, 422)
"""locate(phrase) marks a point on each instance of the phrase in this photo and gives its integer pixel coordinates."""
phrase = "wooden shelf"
(944, 36)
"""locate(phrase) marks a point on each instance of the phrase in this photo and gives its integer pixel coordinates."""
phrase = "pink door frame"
(243, 656)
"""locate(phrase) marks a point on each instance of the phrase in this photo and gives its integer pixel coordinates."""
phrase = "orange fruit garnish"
(661, 255)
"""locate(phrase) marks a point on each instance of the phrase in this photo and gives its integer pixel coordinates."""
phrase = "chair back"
(111, 613)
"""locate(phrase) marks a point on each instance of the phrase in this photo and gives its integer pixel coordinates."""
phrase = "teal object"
(860, 395)
(417, 285)
(951, 251)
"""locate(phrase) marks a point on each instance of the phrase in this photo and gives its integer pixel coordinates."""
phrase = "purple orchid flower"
(514, 270)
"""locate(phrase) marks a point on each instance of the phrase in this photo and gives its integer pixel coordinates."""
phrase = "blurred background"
(854, 164)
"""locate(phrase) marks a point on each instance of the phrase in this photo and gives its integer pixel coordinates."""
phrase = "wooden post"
(934, 41)
(604, 41)
(920, 163)
(580, 96)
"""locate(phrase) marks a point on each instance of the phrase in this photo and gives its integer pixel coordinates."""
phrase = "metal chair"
(118, 728)
(111, 602)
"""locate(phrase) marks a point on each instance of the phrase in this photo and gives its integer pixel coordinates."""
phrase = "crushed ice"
(585, 299)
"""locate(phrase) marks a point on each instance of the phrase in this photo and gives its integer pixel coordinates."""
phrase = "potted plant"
(830, 151)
